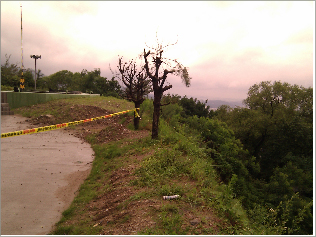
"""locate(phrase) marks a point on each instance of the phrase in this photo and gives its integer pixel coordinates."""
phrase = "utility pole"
(35, 57)
(22, 67)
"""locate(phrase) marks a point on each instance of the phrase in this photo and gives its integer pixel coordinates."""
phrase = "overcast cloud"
(228, 46)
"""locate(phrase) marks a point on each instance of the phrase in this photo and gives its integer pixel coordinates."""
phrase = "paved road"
(40, 174)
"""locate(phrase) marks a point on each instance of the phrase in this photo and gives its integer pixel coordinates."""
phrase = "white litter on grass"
(171, 197)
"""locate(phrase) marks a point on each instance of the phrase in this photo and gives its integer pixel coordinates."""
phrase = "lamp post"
(35, 57)
(22, 87)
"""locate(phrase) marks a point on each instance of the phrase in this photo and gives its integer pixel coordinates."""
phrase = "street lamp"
(35, 57)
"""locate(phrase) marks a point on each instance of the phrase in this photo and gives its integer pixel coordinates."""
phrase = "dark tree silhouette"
(157, 69)
(137, 84)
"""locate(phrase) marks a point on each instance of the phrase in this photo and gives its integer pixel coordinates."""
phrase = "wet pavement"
(40, 175)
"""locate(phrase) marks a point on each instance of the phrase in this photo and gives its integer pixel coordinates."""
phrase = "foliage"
(9, 73)
(6, 88)
(277, 129)
(280, 97)
(193, 107)
(263, 152)
(190, 107)
(64, 80)
(87, 82)
(253, 166)
(60, 81)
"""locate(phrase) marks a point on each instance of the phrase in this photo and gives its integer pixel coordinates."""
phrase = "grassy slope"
(145, 170)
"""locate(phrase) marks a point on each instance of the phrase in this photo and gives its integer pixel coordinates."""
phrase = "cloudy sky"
(227, 46)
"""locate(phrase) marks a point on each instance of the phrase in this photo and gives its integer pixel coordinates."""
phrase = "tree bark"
(156, 115)
(158, 87)
(136, 118)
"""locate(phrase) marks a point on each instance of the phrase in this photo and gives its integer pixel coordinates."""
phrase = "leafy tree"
(190, 107)
(278, 120)
(100, 85)
(284, 118)
(88, 80)
(39, 79)
(77, 82)
(112, 88)
(158, 72)
(277, 129)
(280, 97)
(60, 81)
(295, 216)
(29, 81)
(171, 99)
(223, 112)
(9, 73)
(250, 126)
(193, 107)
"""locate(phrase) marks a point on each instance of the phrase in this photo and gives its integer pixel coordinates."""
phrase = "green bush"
(6, 88)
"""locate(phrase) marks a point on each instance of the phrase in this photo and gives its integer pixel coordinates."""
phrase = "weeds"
(169, 222)
(179, 163)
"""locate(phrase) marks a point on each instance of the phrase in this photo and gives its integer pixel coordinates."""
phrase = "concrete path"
(40, 174)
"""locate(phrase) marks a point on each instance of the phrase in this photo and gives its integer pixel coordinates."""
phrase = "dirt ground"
(40, 173)
(112, 211)
(109, 129)
(104, 210)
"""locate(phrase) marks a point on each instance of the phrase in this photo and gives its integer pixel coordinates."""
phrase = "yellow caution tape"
(136, 114)
(62, 125)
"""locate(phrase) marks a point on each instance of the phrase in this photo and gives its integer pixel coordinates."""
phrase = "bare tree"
(157, 69)
(137, 84)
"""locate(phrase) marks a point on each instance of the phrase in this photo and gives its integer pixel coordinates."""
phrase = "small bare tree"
(157, 69)
(137, 84)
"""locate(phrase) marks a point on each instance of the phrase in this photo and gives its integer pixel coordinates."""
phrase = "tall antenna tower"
(22, 66)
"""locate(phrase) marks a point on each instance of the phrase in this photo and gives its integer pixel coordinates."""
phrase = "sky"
(227, 46)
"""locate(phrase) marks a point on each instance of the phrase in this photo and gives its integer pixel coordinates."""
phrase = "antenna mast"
(22, 66)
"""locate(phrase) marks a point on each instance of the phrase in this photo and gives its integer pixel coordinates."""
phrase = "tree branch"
(164, 77)
(146, 65)
(166, 88)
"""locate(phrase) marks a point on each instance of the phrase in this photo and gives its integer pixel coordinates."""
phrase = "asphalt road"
(40, 175)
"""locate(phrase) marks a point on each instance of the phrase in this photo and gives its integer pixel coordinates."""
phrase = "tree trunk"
(136, 122)
(156, 115)
(136, 118)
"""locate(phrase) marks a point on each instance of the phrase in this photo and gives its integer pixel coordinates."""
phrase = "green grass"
(176, 163)
(109, 103)
(177, 159)
(169, 222)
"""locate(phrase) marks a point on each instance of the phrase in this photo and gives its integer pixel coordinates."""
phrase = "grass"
(109, 103)
(176, 163)
(169, 222)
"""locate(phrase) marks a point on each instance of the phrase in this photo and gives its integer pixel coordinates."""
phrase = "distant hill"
(214, 104)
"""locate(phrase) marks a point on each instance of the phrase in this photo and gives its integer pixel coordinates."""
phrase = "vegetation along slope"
(236, 170)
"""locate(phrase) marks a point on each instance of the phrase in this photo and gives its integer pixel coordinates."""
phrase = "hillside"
(217, 103)
(196, 157)
(214, 104)
(131, 174)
